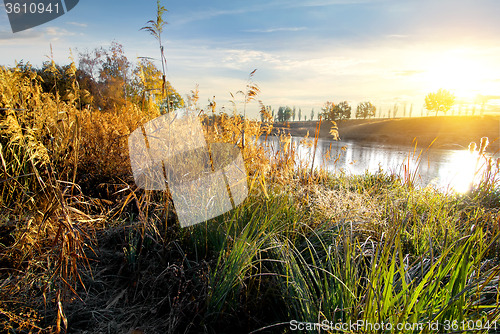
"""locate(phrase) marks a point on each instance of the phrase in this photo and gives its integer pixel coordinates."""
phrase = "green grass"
(335, 275)
(82, 249)
(426, 257)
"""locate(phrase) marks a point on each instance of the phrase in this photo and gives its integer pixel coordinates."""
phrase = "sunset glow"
(386, 52)
(463, 76)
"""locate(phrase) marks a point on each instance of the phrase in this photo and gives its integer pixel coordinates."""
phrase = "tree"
(106, 75)
(115, 74)
(284, 114)
(173, 99)
(328, 110)
(365, 109)
(287, 113)
(312, 114)
(332, 112)
(293, 113)
(112, 80)
(395, 110)
(89, 65)
(343, 110)
(442, 100)
(481, 112)
(300, 114)
(281, 114)
(147, 83)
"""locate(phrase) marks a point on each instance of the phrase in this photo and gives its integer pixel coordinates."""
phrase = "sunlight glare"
(460, 175)
(463, 76)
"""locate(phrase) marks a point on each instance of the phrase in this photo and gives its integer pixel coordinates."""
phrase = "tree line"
(329, 111)
(441, 101)
(105, 79)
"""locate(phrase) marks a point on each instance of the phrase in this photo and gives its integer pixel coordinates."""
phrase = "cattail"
(489, 165)
(472, 147)
(484, 144)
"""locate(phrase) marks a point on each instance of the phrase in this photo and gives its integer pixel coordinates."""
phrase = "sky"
(305, 52)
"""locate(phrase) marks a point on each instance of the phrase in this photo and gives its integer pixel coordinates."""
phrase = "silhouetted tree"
(442, 100)
(333, 112)
(365, 109)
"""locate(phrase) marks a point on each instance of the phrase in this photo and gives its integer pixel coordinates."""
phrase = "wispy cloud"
(211, 13)
(56, 34)
(78, 24)
(409, 73)
(23, 35)
(276, 29)
(488, 98)
(320, 3)
(239, 59)
(56, 31)
(397, 36)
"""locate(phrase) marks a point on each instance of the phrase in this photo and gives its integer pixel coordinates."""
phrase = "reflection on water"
(439, 167)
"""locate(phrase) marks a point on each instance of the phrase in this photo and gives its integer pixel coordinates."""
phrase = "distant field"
(451, 131)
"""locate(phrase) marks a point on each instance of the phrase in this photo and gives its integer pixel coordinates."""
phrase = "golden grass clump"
(39, 141)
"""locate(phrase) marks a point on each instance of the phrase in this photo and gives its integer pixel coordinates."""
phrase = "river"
(442, 168)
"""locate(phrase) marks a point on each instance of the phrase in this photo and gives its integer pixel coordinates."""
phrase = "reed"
(82, 248)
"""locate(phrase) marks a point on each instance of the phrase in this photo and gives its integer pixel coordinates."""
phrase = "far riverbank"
(452, 132)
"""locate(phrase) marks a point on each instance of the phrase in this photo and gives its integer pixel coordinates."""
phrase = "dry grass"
(82, 249)
(65, 173)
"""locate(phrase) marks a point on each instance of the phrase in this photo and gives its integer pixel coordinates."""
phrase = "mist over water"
(441, 168)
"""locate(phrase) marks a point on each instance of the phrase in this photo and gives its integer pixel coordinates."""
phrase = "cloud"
(321, 3)
(78, 24)
(27, 34)
(488, 98)
(327, 65)
(396, 36)
(276, 29)
(235, 58)
(239, 59)
(55, 31)
(211, 13)
(409, 73)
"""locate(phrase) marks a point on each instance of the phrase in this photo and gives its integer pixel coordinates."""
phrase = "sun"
(463, 76)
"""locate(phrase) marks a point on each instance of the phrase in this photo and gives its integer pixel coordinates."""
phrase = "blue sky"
(305, 52)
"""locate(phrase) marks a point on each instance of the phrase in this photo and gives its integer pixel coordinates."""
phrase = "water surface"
(441, 168)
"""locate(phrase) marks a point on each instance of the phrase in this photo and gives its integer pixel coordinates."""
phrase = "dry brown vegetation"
(65, 176)
(83, 250)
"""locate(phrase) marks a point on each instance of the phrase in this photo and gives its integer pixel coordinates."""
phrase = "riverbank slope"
(451, 132)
